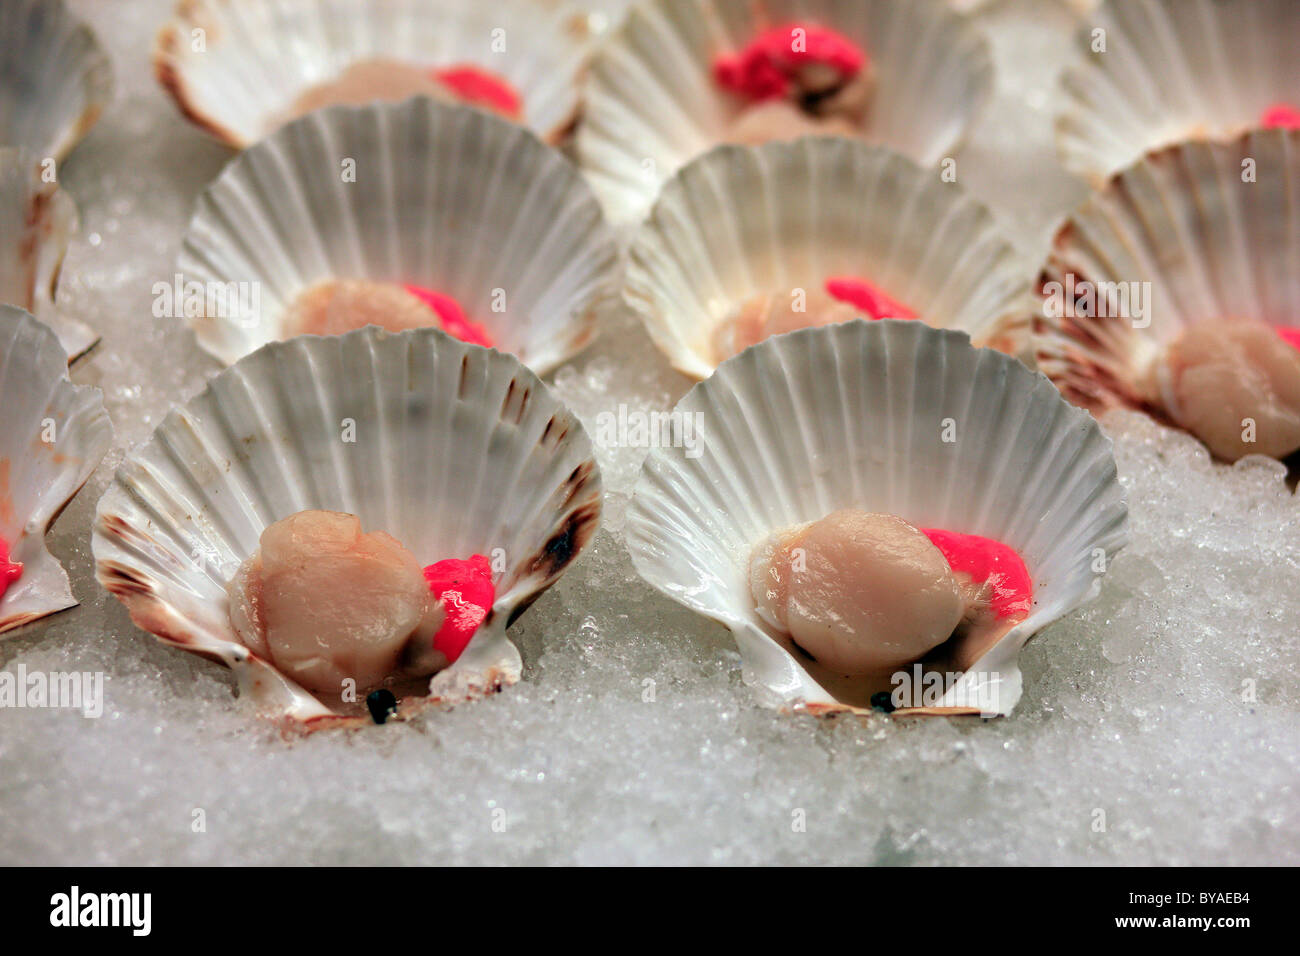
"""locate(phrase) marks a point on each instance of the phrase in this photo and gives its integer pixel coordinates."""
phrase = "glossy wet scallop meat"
(1235, 386)
(325, 602)
(344, 305)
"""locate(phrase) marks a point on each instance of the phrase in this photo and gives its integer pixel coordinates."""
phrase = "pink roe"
(10, 571)
(1290, 336)
(1281, 116)
(467, 594)
(863, 295)
(481, 88)
(984, 559)
(453, 317)
(764, 69)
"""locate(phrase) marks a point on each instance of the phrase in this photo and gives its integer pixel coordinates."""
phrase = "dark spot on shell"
(381, 704)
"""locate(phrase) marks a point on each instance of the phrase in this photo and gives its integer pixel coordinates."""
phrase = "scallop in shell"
(237, 67)
(454, 449)
(783, 218)
(1156, 72)
(652, 103)
(1199, 236)
(420, 192)
(55, 79)
(52, 435)
(37, 219)
(894, 418)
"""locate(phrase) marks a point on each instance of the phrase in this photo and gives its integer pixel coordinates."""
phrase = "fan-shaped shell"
(452, 448)
(855, 415)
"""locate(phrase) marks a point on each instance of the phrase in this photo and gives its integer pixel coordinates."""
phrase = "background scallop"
(52, 435)
(1213, 227)
(258, 56)
(1173, 70)
(744, 220)
(853, 415)
(652, 103)
(458, 450)
(54, 78)
(443, 196)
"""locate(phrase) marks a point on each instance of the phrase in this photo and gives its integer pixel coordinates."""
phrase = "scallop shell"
(457, 450)
(853, 415)
(744, 220)
(52, 435)
(55, 79)
(235, 66)
(652, 104)
(1173, 70)
(37, 220)
(444, 196)
(1201, 242)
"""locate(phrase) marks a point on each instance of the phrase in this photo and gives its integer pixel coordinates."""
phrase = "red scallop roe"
(861, 294)
(1281, 116)
(452, 315)
(1290, 336)
(481, 87)
(10, 571)
(467, 593)
(988, 560)
(766, 67)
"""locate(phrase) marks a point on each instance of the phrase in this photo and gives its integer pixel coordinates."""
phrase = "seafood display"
(328, 225)
(680, 76)
(1156, 72)
(1173, 290)
(241, 68)
(55, 80)
(886, 533)
(259, 525)
(747, 242)
(52, 435)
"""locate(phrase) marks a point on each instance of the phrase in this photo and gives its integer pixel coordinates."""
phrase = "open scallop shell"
(744, 220)
(458, 450)
(37, 220)
(52, 435)
(652, 103)
(853, 415)
(1210, 245)
(443, 196)
(55, 79)
(235, 66)
(1174, 70)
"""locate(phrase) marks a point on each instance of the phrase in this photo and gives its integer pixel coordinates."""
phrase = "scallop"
(418, 447)
(238, 68)
(743, 241)
(847, 441)
(653, 104)
(52, 436)
(1174, 290)
(423, 194)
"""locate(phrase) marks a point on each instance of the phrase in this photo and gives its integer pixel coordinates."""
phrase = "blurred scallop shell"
(37, 220)
(1174, 70)
(55, 79)
(744, 220)
(446, 197)
(457, 450)
(853, 415)
(234, 67)
(1182, 230)
(52, 435)
(652, 103)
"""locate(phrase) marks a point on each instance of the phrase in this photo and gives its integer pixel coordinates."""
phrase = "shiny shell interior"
(652, 103)
(52, 435)
(457, 450)
(852, 415)
(743, 220)
(234, 66)
(488, 215)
